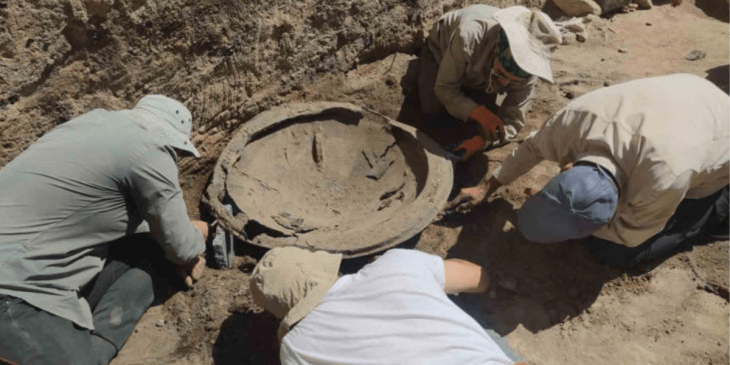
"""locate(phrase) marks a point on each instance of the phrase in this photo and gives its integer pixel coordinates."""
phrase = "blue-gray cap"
(572, 205)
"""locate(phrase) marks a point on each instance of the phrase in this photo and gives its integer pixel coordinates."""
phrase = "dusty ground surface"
(229, 61)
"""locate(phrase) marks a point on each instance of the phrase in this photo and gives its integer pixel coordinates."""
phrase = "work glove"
(489, 125)
(489, 128)
(464, 150)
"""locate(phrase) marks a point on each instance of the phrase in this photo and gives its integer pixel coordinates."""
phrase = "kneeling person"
(393, 311)
(473, 54)
(646, 168)
(73, 279)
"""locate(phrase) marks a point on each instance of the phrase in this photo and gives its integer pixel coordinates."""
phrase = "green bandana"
(504, 55)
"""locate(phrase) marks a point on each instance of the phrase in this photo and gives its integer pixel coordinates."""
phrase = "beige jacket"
(664, 138)
(463, 42)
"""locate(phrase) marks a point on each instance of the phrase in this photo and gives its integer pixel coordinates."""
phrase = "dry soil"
(228, 61)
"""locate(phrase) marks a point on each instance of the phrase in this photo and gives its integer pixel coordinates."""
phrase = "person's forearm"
(449, 81)
(464, 277)
(454, 101)
(182, 240)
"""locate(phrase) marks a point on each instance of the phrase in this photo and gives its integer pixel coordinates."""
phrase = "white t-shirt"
(393, 311)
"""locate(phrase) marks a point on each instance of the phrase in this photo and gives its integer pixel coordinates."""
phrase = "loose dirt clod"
(695, 55)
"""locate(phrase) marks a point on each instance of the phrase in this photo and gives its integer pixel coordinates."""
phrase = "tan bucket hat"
(289, 282)
(531, 34)
(167, 119)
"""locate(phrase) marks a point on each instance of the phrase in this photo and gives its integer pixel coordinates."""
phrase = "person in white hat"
(394, 310)
(473, 54)
(74, 276)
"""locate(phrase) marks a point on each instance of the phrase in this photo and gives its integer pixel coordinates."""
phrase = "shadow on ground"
(247, 338)
(717, 9)
(720, 76)
(536, 286)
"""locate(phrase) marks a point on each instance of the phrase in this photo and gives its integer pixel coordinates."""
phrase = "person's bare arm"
(464, 277)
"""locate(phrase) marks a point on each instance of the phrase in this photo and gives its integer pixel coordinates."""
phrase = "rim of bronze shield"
(432, 193)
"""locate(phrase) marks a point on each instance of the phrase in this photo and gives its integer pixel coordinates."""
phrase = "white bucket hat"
(167, 119)
(531, 34)
(289, 282)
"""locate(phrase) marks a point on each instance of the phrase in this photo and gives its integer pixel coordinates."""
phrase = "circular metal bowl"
(328, 176)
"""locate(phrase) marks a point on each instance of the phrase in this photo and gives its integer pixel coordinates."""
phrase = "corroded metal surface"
(329, 176)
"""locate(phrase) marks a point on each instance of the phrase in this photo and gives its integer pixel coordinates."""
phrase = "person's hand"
(464, 150)
(491, 127)
(202, 227)
(191, 272)
(469, 198)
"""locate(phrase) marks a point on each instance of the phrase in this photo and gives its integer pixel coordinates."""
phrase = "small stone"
(623, 50)
(644, 4)
(580, 37)
(160, 323)
(575, 8)
(568, 38)
(648, 24)
(606, 84)
(508, 283)
(590, 18)
(391, 80)
(695, 55)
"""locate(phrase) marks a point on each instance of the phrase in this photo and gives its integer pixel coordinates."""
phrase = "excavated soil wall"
(226, 60)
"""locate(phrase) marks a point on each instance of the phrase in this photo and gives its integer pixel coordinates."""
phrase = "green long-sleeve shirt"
(85, 183)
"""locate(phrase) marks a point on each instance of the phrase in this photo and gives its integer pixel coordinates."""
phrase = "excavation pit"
(328, 176)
